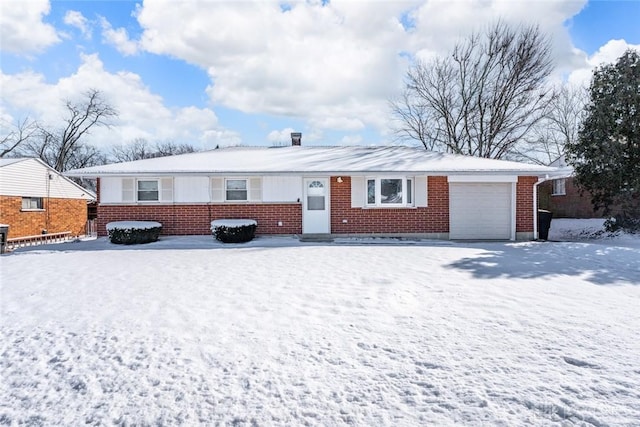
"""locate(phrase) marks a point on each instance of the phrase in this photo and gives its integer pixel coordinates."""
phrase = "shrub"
(234, 230)
(133, 232)
(622, 222)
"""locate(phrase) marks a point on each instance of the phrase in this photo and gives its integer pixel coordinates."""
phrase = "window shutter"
(128, 190)
(357, 191)
(217, 189)
(166, 189)
(255, 189)
(420, 183)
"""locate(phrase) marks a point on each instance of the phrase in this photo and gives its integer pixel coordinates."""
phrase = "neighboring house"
(563, 198)
(342, 191)
(36, 199)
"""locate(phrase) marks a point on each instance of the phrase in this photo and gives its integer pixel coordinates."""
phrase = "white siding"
(481, 211)
(110, 190)
(191, 189)
(281, 188)
(31, 178)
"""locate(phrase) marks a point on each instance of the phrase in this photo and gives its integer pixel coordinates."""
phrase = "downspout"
(535, 205)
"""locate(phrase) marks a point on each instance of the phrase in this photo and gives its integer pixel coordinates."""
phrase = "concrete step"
(316, 237)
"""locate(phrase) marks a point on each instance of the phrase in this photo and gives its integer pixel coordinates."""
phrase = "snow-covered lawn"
(277, 332)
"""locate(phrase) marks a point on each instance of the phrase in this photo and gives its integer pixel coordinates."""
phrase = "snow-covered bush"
(133, 232)
(234, 230)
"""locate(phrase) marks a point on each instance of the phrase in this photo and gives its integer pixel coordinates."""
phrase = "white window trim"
(137, 190)
(23, 209)
(246, 189)
(564, 187)
(378, 195)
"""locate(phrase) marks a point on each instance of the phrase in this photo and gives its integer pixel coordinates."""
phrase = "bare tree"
(141, 149)
(481, 100)
(13, 136)
(558, 128)
(135, 150)
(170, 148)
(63, 148)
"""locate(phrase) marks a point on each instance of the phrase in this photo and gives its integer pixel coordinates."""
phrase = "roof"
(24, 177)
(5, 161)
(354, 160)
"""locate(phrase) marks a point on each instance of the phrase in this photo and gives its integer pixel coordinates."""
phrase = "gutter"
(535, 205)
(535, 197)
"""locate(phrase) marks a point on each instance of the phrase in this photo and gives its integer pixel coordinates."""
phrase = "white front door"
(315, 207)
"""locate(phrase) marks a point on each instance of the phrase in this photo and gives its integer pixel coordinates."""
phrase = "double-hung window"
(389, 191)
(236, 190)
(559, 187)
(148, 190)
(32, 203)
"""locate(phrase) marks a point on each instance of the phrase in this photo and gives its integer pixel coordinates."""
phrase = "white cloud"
(77, 19)
(281, 137)
(332, 65)
(608, 53)
(142, 113)
(351, 140)
(21, 28)
(118, 38)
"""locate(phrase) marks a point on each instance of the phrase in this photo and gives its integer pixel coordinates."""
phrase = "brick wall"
(524, 203)
(431, 219)
(58, 215)
(196, 219)
(572, 204)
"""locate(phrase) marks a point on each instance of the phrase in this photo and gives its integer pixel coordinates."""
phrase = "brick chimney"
(296, 138)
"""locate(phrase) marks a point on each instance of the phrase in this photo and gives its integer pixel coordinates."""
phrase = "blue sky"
(225, 73)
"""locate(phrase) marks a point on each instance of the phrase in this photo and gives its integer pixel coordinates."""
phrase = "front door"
(315, 210)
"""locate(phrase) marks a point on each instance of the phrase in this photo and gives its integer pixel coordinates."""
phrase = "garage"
(483, 211)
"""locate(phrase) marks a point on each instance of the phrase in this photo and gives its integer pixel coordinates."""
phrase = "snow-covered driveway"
(275, 332)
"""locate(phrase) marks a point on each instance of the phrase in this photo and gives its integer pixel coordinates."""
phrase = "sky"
(223, 73)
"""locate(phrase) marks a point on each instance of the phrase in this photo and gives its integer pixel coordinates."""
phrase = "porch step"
(316, 237)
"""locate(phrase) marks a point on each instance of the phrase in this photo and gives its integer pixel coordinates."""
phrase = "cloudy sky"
(249, 72)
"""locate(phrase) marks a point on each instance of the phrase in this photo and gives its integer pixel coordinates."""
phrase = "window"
(389, 191)
(559, 187)
(236, 189)
(148, 191)
(32, 203)
(315, 196)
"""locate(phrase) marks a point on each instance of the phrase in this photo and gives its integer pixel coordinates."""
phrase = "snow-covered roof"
(352, 160)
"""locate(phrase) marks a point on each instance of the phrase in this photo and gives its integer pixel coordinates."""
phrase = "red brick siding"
(431, 219)
(59, 215)
(572, 204)
(196, 219)
(524, 203)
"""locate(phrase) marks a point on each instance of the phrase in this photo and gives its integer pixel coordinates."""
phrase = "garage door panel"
(480, 210)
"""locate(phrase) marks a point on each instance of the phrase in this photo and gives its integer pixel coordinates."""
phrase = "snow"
(390, 332)
(325, 160)
(232, 222)
(132, 225)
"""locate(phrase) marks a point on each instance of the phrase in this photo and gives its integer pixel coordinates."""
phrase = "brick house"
(36, 199)
(563, 197)
(341, 191)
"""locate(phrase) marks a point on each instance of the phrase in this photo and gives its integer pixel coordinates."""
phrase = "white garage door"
(480, 210)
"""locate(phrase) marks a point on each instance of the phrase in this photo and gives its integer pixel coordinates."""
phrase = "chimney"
(296, 138)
